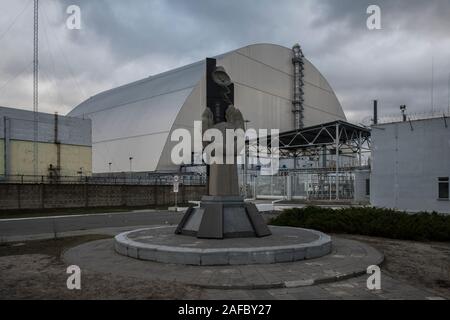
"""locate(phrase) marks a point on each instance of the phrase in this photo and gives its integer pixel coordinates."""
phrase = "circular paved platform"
(347, 259)
(160, 244)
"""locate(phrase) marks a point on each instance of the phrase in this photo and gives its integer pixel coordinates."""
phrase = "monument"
(216, 244)
(224, 229)
(223, 212)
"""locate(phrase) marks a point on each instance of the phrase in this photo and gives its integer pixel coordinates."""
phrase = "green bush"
(369, 221)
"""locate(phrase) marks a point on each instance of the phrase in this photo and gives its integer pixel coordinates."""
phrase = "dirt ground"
(34, 270)
(422, 264)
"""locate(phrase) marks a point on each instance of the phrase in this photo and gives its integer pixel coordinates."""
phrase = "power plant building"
(411, 165)
(274, 87)
(63, 145)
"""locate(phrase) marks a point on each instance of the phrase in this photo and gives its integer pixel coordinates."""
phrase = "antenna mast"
(432, 84)
(35, 86)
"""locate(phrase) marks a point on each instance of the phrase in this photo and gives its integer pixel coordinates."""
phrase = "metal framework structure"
(297, 102)
(338, 135)
(338, 139)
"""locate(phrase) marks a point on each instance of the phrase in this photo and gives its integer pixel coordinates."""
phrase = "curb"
(223, 256)
(292, 283)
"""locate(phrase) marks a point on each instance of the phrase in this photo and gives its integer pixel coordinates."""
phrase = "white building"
(411, 165)
(134, 122)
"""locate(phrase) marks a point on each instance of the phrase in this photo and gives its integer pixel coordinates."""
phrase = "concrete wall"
(72, 158)
(34, 196)
(407, 160)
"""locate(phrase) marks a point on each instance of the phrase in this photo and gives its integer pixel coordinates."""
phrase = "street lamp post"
(245, 160)
(131, 169)
(448, 92)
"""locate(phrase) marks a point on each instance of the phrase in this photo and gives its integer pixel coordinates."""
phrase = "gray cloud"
(122, 41)
(428, 18)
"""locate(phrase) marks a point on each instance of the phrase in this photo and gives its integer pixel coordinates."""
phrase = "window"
(443, 188)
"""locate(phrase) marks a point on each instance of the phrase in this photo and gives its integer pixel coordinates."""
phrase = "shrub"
(368, 221)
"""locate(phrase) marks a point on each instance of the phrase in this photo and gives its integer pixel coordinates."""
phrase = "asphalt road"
(33, 226)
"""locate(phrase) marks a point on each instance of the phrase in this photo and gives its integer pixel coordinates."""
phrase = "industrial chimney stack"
(375, 112)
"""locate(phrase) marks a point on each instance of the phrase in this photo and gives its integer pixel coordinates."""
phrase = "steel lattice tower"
(36, 87)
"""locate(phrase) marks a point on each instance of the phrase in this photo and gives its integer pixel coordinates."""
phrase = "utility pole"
(36, 88)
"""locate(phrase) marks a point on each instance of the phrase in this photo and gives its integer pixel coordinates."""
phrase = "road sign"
(176, 182)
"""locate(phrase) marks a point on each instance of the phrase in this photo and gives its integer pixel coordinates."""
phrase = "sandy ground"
(33, 270)
(421, 264)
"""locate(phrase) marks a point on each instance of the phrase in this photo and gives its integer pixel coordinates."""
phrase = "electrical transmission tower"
(36, 88)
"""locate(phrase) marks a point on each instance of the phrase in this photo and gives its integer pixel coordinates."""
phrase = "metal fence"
(302, 185)
(412, 116)
(153, 179)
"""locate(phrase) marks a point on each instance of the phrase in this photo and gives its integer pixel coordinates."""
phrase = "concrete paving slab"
(100, 256)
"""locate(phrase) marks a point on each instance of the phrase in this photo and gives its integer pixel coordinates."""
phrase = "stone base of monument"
(220, 217)
(285, 244)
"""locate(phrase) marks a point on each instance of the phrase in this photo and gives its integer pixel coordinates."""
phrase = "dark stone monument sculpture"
(223, 212)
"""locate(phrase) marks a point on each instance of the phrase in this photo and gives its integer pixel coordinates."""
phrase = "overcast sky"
(122, 41)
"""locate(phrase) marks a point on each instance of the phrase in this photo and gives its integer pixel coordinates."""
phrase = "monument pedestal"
(220, 217)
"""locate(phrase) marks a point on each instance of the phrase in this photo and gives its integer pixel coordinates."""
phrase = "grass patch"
(367, 221)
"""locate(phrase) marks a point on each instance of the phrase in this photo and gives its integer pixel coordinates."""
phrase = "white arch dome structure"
(136, 120)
